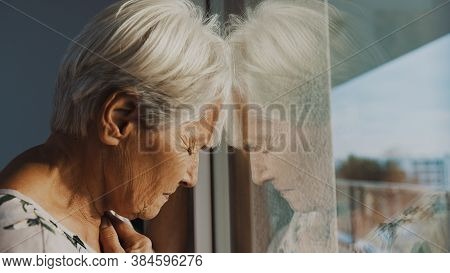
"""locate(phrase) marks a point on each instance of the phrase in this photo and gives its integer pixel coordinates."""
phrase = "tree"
(357, 168)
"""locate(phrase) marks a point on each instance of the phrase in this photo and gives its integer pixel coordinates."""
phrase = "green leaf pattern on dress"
(38, 220)
(433, 205)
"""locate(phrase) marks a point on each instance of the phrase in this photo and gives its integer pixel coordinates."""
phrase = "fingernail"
(114, 217)
(111, 217)
(111, 214)
(105, 222)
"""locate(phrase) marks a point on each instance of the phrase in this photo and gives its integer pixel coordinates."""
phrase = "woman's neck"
(64, 176)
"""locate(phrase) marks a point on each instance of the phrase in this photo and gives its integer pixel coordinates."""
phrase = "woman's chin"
(153, 210)
(149, 213)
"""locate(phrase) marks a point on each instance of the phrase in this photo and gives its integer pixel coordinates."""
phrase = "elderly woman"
(121, 139)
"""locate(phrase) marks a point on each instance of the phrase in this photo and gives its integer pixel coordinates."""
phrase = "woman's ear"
(118, 119)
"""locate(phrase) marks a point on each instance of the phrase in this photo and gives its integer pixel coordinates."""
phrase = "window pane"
(392, 151)
(282, 177)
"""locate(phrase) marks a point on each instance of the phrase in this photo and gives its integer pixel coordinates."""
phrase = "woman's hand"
(117, 236)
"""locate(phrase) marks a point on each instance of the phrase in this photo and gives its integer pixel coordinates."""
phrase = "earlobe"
(119, 115)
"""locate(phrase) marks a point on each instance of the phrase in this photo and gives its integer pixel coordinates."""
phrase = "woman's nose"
(259, 168)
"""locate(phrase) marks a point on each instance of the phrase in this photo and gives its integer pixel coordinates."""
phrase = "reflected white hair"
(162, 51)
(278, 45)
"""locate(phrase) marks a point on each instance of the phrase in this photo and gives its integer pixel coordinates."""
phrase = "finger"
(131, 240)
(123, 229)
(120, 217)
(109, 238)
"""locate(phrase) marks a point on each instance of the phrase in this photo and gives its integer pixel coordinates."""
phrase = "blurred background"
(390, 111)
(391, 128)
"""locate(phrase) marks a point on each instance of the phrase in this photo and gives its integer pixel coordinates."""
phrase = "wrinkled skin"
(118, 166)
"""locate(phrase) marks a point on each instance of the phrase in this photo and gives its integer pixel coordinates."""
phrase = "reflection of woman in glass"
(280, 53)
(280, 56)
(115, 142)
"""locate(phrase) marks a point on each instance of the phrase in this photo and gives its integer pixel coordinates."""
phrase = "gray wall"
(29, 58)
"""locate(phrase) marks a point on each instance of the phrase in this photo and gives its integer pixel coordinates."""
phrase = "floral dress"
(422, 227)
(26, 227)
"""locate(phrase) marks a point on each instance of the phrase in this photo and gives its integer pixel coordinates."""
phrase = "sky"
(400, 109)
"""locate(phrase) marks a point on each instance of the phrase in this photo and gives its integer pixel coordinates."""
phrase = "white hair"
(278, 46)
(163, 51)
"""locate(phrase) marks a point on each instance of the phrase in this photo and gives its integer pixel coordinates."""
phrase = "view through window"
(392, 154)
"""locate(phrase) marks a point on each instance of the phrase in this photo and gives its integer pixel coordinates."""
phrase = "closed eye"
(206, 148)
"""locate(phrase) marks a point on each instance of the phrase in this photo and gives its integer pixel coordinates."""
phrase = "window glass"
(392, 152)
(282, 191)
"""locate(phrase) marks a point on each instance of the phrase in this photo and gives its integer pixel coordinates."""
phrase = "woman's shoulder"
(25, 227)
(20, 230)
